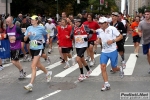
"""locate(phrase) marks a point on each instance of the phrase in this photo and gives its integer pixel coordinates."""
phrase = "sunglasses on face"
(101, 23)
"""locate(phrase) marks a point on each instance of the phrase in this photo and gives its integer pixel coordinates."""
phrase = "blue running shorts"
(113, 56)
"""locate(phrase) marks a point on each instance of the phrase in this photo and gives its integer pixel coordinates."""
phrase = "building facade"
(3, 6)
(133, 5)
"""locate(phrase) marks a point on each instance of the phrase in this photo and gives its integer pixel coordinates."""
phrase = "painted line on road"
(6, 65)
(48, 95)
(71, 69)
(48, 67)
(126, 38)
(97, 70)
(130, 64)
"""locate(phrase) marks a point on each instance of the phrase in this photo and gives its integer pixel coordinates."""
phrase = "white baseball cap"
(50, 19)
(103, 19)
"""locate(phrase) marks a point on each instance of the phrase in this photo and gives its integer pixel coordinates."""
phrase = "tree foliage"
(49, 7)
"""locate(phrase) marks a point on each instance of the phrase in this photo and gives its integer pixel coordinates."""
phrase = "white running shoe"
(1, 68)
(22, 75)
(88, 73)
(25, 58)
(28, 87)
(105, 87)
(67, 65)
(149, 71)
(92, 63)
(121, 73)
(50, 50)
(48, 60)
(81, 77)
(87, 59)
(123, 64)
(73, 61)
(49, 76)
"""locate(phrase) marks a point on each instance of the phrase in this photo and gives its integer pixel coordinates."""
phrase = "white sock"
(106, 82)
(30, 84)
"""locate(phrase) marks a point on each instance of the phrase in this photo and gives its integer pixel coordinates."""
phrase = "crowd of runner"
(29, 35)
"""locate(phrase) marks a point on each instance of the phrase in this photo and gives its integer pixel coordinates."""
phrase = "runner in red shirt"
(92, 25)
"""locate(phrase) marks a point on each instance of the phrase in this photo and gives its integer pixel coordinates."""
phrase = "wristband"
(113, 40)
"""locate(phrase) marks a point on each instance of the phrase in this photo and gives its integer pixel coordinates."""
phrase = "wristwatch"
(113, 40)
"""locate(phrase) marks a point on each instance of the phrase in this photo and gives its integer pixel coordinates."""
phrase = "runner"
(35, 33)
(92, 25)
(65, 42)
(108, 36)
(24, 26)
(15, 35)
(120, 44)
(80, 33)
(136, 38)
(143, 31)
(50, 27)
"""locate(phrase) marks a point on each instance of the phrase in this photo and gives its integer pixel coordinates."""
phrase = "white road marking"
(48, 67)
(130, 64)
(126, 38)
(6, 65)
(97, 70)
(48, 95)
(71, 69)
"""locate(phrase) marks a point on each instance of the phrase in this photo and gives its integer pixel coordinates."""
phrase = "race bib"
(48, 31)
(79, 40)
(33, 43)
(105, 45)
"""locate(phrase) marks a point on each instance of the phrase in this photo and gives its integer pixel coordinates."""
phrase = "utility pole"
(57, 15)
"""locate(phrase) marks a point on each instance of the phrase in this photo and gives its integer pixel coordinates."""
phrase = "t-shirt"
(110, 33)
(145, 28)
(134, 26)
(50, 28)
(120, 27)
(37, 34)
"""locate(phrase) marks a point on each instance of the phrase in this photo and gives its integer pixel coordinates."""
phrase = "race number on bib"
(80, 38)
(33, 43)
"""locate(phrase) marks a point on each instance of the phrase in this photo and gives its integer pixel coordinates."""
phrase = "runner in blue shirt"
(35, 34)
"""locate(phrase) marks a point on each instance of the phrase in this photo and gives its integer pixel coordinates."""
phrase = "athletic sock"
(81, 70)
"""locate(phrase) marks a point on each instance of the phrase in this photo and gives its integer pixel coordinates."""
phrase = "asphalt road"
(64, 84)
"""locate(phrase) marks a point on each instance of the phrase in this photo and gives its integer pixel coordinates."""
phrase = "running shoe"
(81, 77)
(123, 64)
(28, 87)
(25, 58)
(22, 75)
(67, 66)
(49, 76)
(92, 63)
(149, 71)
(105, 87)
(48, 60)
(49, 52)
(1, 68)
(73, 61)
(121, 73)
(87, 58)
(88, 73)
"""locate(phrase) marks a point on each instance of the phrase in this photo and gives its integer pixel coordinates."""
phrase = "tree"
(105, 9)
(47, 7)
